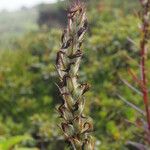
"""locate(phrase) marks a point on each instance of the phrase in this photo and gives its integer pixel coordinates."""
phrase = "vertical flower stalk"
(145, 32)
(142, 82)
(75, 126)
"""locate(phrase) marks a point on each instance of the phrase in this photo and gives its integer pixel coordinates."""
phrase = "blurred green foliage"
(7, 144)
(15, 24)
(28, 94)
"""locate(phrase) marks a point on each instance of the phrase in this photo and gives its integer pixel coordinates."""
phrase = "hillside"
(17, 23)
(14, 24)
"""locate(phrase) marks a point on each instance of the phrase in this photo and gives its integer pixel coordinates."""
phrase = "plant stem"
(143, 51)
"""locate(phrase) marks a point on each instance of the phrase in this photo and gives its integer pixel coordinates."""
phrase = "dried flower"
(75, 126)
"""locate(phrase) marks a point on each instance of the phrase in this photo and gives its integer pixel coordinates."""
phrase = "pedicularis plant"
(142, 82)
(145, 33)
(75, 126)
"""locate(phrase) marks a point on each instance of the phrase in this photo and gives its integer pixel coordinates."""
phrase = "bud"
(79, 107)
(78, 124)
(68, 100)
(75, 66)
(67, 114)
(67, 129)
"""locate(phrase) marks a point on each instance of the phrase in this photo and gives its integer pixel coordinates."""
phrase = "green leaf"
(11, 142)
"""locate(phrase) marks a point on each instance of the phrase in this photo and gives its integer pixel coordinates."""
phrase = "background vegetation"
(28, 94)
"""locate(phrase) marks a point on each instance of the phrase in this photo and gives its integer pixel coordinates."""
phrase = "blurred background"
(30, 32)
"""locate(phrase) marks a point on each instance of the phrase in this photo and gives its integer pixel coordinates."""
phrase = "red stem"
(143, 47)
(144, 81)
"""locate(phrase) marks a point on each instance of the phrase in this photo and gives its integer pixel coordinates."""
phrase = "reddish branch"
(143, 53)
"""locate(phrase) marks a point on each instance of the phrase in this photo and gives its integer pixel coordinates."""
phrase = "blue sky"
(16, 4)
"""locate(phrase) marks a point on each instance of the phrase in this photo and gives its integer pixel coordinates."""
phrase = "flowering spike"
(75, 127)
